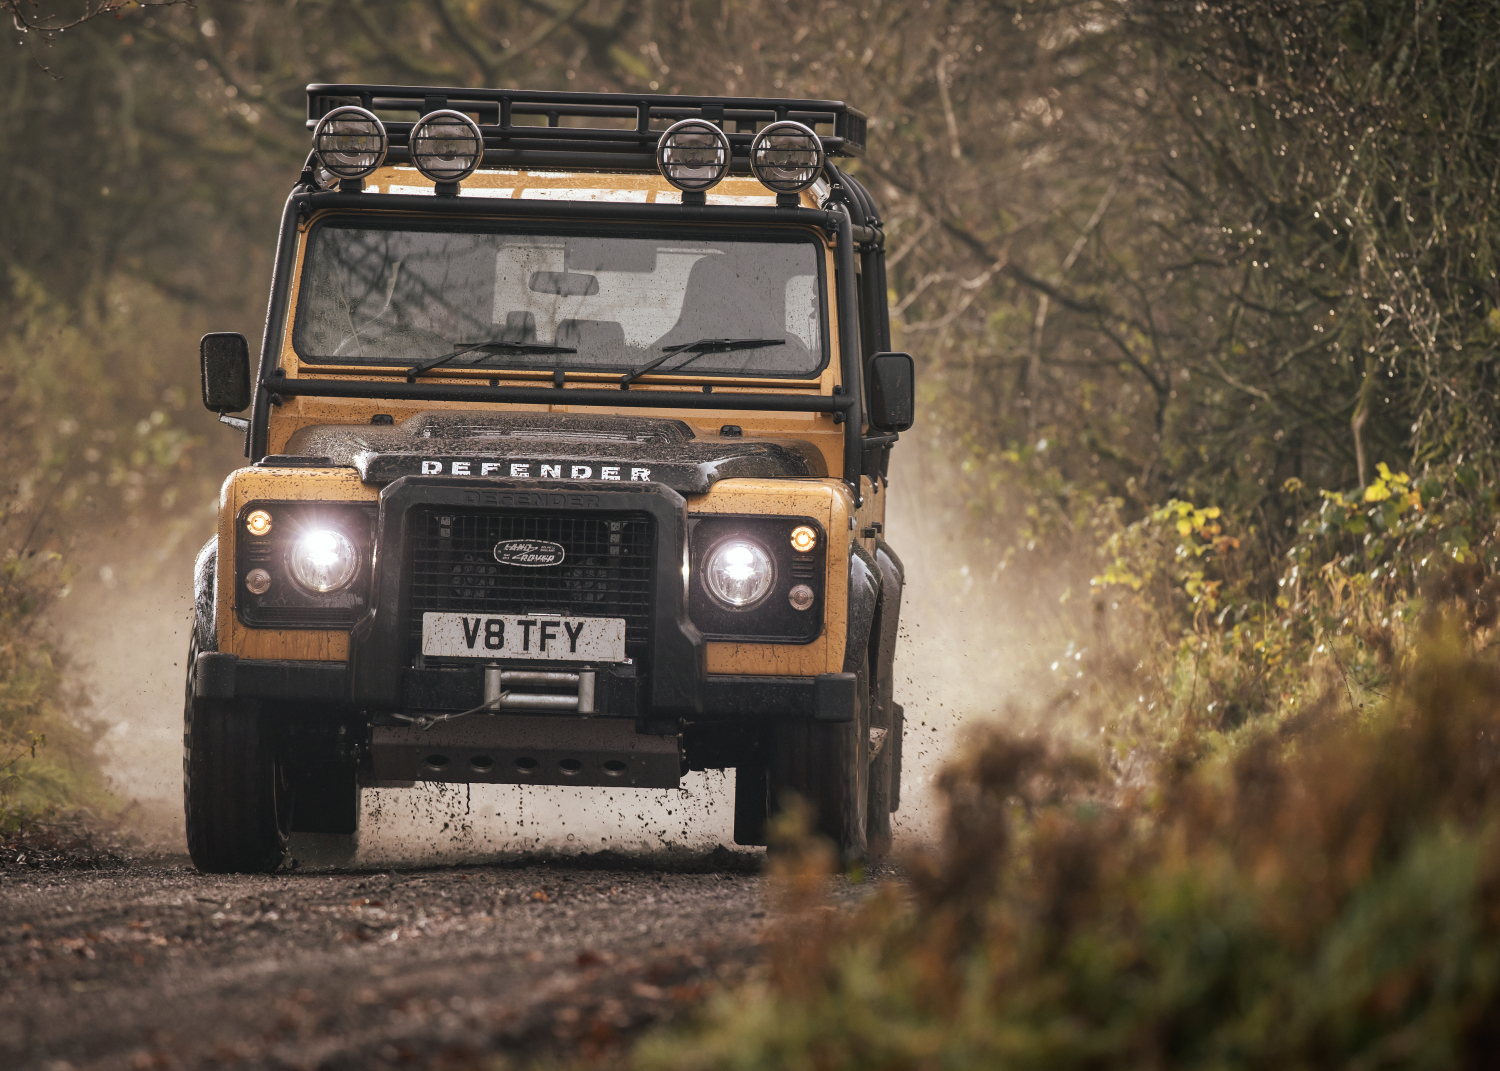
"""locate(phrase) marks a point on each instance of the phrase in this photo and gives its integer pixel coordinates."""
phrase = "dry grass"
(1327, 893)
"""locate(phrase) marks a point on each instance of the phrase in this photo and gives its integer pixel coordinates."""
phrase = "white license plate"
(585, 639)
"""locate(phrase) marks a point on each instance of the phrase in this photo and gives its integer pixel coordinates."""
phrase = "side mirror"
(225, 356)
(893, 399)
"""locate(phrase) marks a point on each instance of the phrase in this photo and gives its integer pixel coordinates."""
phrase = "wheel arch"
(864, 596)
(205, 602)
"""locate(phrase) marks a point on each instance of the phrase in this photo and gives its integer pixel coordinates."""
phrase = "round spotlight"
(801, 597)
(693, 155)
(350, 142)
(738, 573)
(323, 560)
(257, 581)
(258, 522)
(787, 157)
(804, 538)
(446, 146)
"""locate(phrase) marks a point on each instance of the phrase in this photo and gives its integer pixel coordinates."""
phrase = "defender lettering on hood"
(546, 446)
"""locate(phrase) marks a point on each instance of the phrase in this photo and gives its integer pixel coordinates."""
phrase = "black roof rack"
(607, 131)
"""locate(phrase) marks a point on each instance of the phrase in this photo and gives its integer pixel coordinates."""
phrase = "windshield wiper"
(698, 349)
(495, 346)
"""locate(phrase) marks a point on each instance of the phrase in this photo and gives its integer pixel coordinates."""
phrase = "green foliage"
(1325, 896)
(76, 463)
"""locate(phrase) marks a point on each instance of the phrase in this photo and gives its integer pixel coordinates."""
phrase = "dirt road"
(149, 964)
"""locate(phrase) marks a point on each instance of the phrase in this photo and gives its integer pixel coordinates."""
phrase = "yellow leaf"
(1211, 511)
(1377, 491)
(1184, 527)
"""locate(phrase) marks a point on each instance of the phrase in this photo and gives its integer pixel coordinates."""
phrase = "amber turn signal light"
(804, 539)
(258, 523)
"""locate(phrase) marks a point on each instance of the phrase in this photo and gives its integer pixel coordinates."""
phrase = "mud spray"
(963, 656)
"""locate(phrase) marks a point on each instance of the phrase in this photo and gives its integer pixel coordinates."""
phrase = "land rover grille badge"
(529, 553)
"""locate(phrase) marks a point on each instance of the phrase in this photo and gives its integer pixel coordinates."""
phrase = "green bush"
(80, 465)
(1328, 894)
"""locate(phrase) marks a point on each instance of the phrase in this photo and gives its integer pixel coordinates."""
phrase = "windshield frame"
(793, 233)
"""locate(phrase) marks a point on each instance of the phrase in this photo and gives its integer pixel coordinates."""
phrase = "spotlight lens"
(350, 142)
(738, 573)
(801, 597)
(786, 157)
(693, 155)
(446, 146)
(257, 581)
(804, 539)
(258, 523)
(323, 560)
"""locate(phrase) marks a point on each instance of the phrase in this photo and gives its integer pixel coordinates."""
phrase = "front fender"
(864, 594)
(205, 623)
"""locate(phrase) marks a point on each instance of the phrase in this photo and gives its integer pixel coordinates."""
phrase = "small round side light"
(804, 539)
(693, 155)
(786, 157)
(258, 523)
(350, 142)
(801, 597)
(446, 146)
(257, 581)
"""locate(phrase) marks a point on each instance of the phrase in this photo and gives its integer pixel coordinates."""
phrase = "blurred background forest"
(1205, 307)
(1171, 270)
(1226, 254)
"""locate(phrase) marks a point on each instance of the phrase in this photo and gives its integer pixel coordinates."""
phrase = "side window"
(838, 282)
(865, 334)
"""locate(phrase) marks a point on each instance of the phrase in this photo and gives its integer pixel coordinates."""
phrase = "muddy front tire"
(235, 794)
(827, 765)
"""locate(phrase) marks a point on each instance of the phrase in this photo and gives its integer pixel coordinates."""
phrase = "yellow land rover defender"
(569, 440)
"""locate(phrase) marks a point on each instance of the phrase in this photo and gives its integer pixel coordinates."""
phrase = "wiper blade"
(697, 349)
(494, 346)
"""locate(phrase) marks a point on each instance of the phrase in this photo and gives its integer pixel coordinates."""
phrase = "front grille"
(605, 572)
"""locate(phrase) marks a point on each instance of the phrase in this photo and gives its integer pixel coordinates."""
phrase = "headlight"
(786, 157)
(446, 146)
(350, 142)
(323, 560)
(693, 155)
(738, 573)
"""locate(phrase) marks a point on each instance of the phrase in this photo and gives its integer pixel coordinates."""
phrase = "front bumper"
(826, 697)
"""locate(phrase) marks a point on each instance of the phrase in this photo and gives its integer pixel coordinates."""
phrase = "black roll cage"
(848, 213)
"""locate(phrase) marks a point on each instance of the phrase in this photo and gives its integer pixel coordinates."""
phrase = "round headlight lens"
(323, 560)
(693, 155)
(350, 142)
(787, 157)
(738, 573)
(446, 146)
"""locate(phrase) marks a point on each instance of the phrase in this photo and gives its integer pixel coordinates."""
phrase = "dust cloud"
(963, 656)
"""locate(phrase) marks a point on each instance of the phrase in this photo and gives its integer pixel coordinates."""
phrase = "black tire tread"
(235, 816)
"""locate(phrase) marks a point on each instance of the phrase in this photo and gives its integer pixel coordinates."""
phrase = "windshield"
(382, 295)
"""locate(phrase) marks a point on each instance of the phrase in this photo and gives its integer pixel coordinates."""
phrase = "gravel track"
(148, 964)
